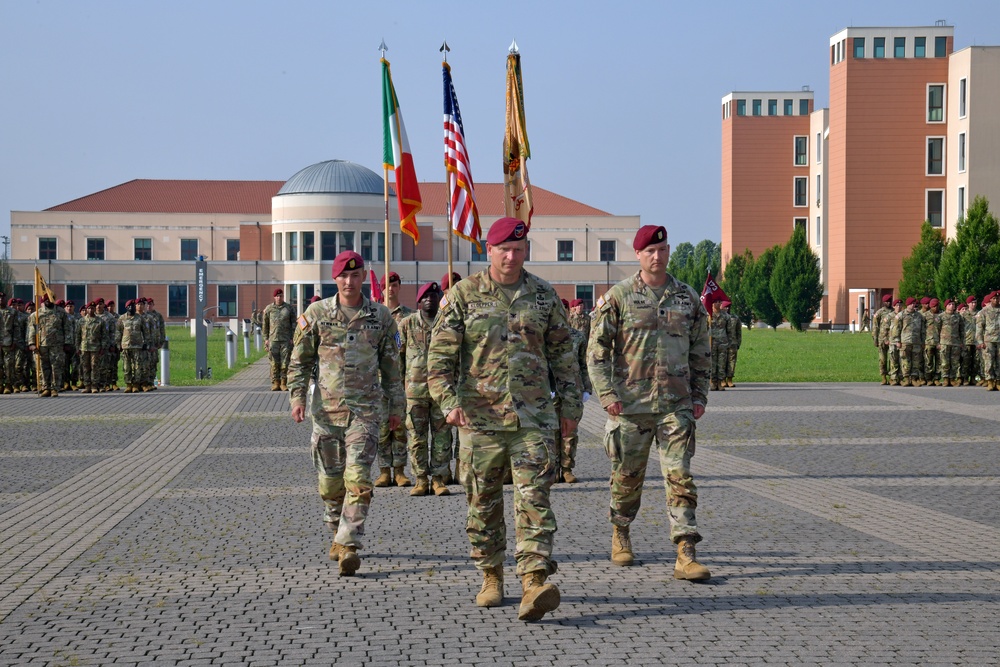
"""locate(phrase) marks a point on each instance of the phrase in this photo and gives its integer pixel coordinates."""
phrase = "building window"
(293, 246)
(227, 300)
(961, 202)
(833, 54)
(899, 47)
(609, 251)
(327, 290)
(95, 250)
(366, 246)
(142, 250)
(564, 251)
(47, 247)
(77, 294)
(819, 147)
(803, 107)
(935, 156)
(586, 292)
(346, 241)
(819, 189)
(328, 246)
(935, 207)
(232, 250)
(756, 107)
(935, 103)
(801, 151)
(741, 107)
(478, 256)
(801, 223)
(189, 250)
(880, 47)
(788, 108)
(125, 294)
(801, 191)
(819, 230)
(177, 301)
(963, 85)
(527, 251)
(940, 47)
(276, 247)
(919, 47)
(381, 246)
(859, 47)
(772, 107)
(961, 151)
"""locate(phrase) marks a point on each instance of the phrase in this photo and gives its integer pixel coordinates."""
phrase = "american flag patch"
(303, 322)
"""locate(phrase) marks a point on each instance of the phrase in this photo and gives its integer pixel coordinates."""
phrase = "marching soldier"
(279, 323)
(392, 443)
(720, 344)
(734, 332)
(988, 331)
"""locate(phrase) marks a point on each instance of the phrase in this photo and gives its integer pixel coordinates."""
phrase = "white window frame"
(38, 249)
(963, 93)
(944, 203)
(86, 250)
(944, 104)
(600, 251)
(805, 203)
(927, 155)
(961, 201)
(795, 152)
(572, 252)
(819, 148)
(819, 230)
(277, 249)
(180, 248)
(963, 152)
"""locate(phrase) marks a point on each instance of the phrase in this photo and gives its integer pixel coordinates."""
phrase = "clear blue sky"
(622, 99)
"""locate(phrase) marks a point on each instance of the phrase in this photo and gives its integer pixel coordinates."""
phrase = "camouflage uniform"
(735, 333)
(881, 323)
(720, 346)
(932, 340)
(392, 446)
(908, 335)
(92, 341)
(279, 322)
(159, 338)
(423, 415)
(8, 353)
(24, 364)
(970, 356)
(951, 339)
(358, 371)
(581, 322)
(132, 337)
(491, 357)
(70, 370)
(48, 333)
(988, 332)
(567, 446)
(654, 358)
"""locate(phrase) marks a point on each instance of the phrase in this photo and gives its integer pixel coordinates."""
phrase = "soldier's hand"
(457, 417)
(699, 410)
(614, 409)
(31, 348)
(299, 413)
(394, 422)
(567, 426)
(267, 345)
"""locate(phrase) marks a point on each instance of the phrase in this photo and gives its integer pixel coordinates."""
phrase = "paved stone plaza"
(844, 524)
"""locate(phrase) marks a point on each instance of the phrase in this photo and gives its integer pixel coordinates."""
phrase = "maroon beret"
(445, 283)
(506, 229)
(565, 303)
(60, 303)
(971, 299)
(70, 302)
(910, 301)
(100, 300)
(347, 261)
(45, 297)
(278, 291)
(947, 302)
(427, 287)
(315, 298)
(575, 302)
(149, 300)
(993, 295)
(962, 307)
(897, 302)
(393, 278)
(926, 301)
(934, 302)
(887, 298)
(648, 235)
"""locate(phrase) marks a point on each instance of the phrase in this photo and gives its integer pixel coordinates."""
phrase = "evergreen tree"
(734, 284)
(920, 268)
(6, 279)
(795, 281)
(757, 281)
(680, 259)
(970, 263)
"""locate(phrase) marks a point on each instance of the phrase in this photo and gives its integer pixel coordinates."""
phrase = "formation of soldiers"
(500, 359)
(921, 345)
(59, 349)
(727, 337)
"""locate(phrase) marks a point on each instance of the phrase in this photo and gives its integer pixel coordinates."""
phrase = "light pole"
(6, 245)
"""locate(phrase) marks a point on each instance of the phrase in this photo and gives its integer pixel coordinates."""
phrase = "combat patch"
(303, 322)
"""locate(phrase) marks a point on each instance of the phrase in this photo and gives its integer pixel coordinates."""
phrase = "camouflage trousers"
(24, 363)
(931, 353)
(731, 355)
(483, 456)
(720, 358)
(132, 365)
(343, 459)
(423, 417)
(90, 368)
(970, 363)
(949, 361)
(909, 360)
(627, 441)
(51, 358)
(391, 446)
(279, 354)
(894, 368)
(566, 447)
(884, 356)
(8, 366)
(990, 361)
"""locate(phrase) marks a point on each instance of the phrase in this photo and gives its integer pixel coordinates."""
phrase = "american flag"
(464, 214)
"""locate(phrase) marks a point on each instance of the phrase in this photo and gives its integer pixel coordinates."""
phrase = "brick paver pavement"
(844, 524)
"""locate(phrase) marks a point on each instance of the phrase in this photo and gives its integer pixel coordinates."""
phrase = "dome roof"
(334, 177)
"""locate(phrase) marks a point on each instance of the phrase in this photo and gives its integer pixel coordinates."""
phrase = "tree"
(734, 284)
(6, 278)
(758, 287)
(970, 263)
(690, 264)
(920, 268)
(795, 281)
(680, 258)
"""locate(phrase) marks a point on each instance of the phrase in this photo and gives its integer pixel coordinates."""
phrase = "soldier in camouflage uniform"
(392, 450)
(567, 445)
(8, 320)
(132, 337)
(279, 323)
(970, 356)
(47, 338)
(92, 341)
(881, 323)
(70, 370)
(988, 331)
(907, 336)
(895, 370)
(579, 319)
(734, 331)
(932, 341)
(159, 338)
(650, 362)
(350, 344)
(423, 415)
(719, 324)
(113, 364)
(496, 336)
(23, 362)
(951, 340)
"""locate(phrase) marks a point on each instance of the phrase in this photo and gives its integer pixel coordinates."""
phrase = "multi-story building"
(895, 147)
(141, 238)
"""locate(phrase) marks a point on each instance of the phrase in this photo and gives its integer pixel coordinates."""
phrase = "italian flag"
(396, 155)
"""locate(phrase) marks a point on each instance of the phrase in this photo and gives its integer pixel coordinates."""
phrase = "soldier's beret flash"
(910, 301)
(887, 298)
(278, 291)
(648, 235)
(61, 303)
(347, 261)
(455, 277)
(506, 229)
(427, 287)
(393, 278)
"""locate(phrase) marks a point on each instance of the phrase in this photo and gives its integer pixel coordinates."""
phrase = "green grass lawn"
(182, 357)
(813, 356)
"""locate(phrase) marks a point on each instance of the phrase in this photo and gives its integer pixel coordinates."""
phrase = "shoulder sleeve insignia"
(600, 302)
(444, 301)
(303, 322)
(399, 341)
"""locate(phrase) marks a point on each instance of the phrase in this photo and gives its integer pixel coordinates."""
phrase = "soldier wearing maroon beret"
(278, 322)
(392, 449)
(446, 283)
(908, 337)
(650, 363)
(881, 324)
(988, 339)
(932, 342)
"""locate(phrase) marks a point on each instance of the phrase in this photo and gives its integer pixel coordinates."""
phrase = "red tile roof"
(254, 198)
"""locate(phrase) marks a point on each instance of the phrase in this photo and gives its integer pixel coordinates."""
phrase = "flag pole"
(444, 62)
(385, 182)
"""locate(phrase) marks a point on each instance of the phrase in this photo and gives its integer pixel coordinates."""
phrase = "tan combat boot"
(347, 557)
(906, 382)
(147, 387)
(421, 488)
(440, 488)
(8, 390)
(384, 477)
(993, 386)
(569, 477)
(713, 385)
(399, 477)
(686, 566)
(885, 380)
(491, 593)
(284, 384)
(275, 385)
(621, 546)
(46, 393)
(56, 393)
(729, 382)
(538, 598)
